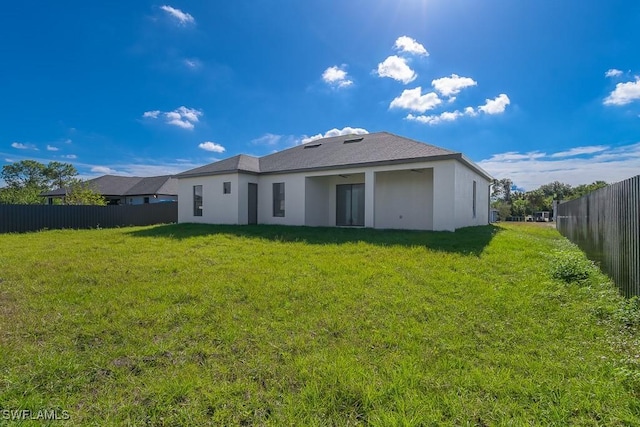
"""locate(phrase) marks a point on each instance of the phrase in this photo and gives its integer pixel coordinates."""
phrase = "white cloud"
(496, 105)
(151, 114)
(412, 99)
(267, 139)
(336, 77)
(624, 93)
(396, 68)
(52, 148)
(104, 170)
(409, 45)
(21, 146)
(449, 86)
(336, 132)
(447, 116)
(469, 111)
(212, 146)
(613, 73)
(70, 156)
(578, 151)
(182, 117)
(182, 17)
(531, 170)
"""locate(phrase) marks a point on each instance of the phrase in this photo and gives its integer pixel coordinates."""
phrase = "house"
(129, 190)
(377, 180)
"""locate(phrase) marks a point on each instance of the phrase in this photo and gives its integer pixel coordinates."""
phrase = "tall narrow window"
(226, 187)
(278, 199)
(474, 199)
(197, 200)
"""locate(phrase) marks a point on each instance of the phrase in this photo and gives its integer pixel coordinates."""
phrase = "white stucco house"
(377, 180)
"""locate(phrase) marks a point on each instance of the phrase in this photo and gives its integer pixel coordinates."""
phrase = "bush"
(571, 266)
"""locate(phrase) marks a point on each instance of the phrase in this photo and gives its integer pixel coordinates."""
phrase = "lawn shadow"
(467, 241)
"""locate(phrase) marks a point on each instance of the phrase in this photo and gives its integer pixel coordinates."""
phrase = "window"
(197, 200)
(474, 199)
(226, 187)
(278, 199)
(146, 200)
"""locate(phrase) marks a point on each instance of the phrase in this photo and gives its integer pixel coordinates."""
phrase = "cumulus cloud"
(450, 86)
(181, 117)
(409, 45)
(52, 148)
(336, 132)
(183, 18)
(336, 77)
(447, 116)
(613, 73)
(496, 105)
(531, 170)
(396, 68)
(414, 100)
(212, 146)
(624, 93)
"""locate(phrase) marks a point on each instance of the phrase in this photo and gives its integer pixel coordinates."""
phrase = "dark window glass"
(278, 199)
(197, 200)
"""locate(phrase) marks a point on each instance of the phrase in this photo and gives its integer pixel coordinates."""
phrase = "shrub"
(571, 266)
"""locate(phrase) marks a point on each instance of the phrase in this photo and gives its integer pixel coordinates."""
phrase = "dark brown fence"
(21, 218)
(605, 224)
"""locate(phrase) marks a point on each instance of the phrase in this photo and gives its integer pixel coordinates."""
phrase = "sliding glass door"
(350, 205)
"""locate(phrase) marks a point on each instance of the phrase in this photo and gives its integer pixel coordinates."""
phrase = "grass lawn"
(265, 325)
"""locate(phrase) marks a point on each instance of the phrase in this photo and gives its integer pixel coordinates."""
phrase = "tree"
(27, 179)
(81, 193)
(501, 189)
(520, 207)
(60, 175)
(557, 190)
(584, 189)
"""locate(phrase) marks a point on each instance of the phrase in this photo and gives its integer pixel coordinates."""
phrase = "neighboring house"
(377, 180)
(129, 190)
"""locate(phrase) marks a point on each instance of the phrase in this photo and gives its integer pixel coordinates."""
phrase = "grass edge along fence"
(24, 218)
(605, 224)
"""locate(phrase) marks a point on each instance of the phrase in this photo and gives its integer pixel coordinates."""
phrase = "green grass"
(264, 325)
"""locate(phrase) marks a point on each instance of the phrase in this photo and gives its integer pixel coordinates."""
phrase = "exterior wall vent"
(311, 146)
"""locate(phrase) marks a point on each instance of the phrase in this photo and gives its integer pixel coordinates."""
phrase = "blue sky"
(532, 90)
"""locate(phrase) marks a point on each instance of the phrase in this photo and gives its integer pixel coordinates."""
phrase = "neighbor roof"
(112, 185)
(336, 152)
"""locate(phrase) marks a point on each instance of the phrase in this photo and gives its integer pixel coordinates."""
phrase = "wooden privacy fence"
(21, 218)
(605, 224)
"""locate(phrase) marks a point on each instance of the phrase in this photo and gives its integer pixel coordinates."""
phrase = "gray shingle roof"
(239, 163)
(335, 153)
(112, 185)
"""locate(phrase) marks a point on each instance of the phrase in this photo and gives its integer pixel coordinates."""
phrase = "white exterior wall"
(444, 179)
(404, 199)
(464, 197)
(217, 208)
(438, 197)
(294, 200)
